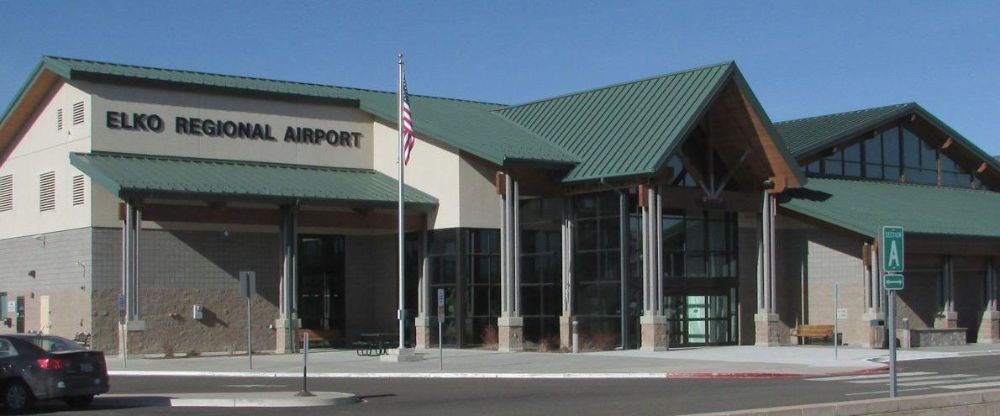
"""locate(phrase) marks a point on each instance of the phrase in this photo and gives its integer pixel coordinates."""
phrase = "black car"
(45, 367)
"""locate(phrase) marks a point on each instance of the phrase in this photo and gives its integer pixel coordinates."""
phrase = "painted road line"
(965, 381)
(869, 376)
(970, 386)
(922, 378)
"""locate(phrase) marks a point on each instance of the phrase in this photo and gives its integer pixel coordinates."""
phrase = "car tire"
(17, 397)
(80, 402)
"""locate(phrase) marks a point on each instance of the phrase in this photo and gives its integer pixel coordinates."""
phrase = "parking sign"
(892, 249)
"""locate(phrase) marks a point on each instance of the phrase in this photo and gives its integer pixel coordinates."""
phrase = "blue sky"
(801, 58)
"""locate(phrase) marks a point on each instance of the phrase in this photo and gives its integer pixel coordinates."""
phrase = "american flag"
(407, 136)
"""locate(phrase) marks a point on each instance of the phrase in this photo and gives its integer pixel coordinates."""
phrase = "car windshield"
(53, 344)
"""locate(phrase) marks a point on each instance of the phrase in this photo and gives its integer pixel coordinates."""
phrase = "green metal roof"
(630, 128)
(128, 173)
(464, 125)
(807, 135)
(862, 206)
(623, 129)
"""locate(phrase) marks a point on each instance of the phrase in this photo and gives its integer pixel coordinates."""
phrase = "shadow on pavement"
(103, 403)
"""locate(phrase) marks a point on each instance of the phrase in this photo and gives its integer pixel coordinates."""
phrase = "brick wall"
(62, 271)
(179, 268)
(822, 258)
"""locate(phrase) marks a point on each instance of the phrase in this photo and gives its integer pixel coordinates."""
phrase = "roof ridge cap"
(795, 120)
(618, 84)
(245, 77)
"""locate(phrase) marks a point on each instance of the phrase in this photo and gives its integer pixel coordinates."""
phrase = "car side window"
(7, 349)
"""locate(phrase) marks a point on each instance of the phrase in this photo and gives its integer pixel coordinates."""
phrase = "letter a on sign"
(892, 249)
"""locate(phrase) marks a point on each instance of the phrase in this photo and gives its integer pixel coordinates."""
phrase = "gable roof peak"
(730, 63)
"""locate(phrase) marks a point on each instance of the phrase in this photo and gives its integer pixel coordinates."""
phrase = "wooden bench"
(328, 337)
(823, 332)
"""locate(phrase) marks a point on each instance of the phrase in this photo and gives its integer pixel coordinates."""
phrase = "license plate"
(86, 367)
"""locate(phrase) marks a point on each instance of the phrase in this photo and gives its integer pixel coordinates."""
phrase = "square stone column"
(422, 325)
(566, 331)
(875, 337)
(286, 341)
(989, 328)
(510, 334)
(655, 336)
(946, 319)
(770, 332)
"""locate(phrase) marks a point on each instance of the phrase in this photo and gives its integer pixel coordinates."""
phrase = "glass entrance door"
(321, 285)
(702, 319)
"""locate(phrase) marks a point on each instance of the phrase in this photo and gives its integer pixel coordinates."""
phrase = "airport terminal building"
(667, 211)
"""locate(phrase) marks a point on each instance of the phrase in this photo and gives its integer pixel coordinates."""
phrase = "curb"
(498, 376)
(263, 399)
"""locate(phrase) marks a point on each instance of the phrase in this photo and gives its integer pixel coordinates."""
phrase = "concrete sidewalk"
(729, 361)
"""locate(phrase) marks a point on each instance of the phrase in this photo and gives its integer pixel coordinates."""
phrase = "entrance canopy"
(130, 174)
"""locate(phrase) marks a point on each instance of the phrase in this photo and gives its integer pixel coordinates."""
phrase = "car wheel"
(79, 402)
(17, 397)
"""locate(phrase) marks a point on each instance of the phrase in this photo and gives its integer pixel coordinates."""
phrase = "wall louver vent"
(6, 193)
(47, 191)
(78, 113)
(78, 190)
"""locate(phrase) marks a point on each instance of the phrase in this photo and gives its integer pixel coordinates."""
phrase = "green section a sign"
(892, 249)
(893, 282)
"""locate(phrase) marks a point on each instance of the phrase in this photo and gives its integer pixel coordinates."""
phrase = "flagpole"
(399, 110)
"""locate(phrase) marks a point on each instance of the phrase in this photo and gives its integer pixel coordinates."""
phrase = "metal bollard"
(305, 366)
(576, 337)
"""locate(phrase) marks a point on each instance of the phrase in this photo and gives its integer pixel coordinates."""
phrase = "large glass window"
(482, 303)
(442, 256)
(541, 270)
(895, 154)
(597, 271)
(699, 244)
(465, 263)
(681, 175)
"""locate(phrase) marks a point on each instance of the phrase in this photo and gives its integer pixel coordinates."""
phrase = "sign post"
(248, 286)
(836, 319)
(122, 323)
(440, 299)
(891, 246)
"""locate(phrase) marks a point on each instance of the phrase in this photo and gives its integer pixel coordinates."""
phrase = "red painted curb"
(773, 375)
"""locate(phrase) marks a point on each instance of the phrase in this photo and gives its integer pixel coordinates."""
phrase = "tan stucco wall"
(432, 169)
(278, 114)
(41, 148)
(480, 205)
(462, 184)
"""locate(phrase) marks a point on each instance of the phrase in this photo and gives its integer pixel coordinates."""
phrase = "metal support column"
(991, 283)
(423, 283)
(658, 244)
(567, 257)
(515, 227)
(509, 324)
(622, 268)
(288, 293)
